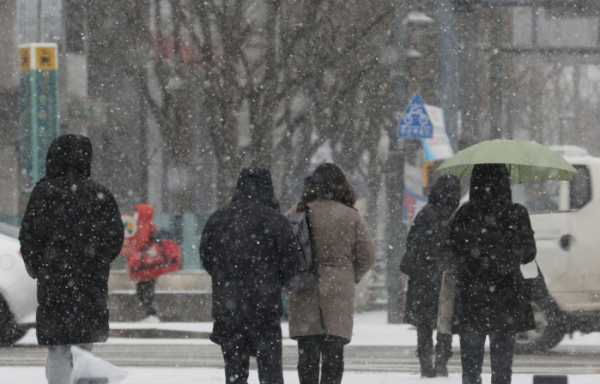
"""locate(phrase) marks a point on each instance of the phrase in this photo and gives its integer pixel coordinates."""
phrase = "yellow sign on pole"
(39, 56)
(45, 58)
(25, 59)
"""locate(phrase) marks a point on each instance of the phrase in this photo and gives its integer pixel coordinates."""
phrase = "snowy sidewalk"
(370, 329)
(35, 375)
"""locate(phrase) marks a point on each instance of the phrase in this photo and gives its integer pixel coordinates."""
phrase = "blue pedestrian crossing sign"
(416, 122)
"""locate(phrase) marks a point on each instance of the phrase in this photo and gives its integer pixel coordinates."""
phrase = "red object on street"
(149, 252)
(138, 227)
(158, 258)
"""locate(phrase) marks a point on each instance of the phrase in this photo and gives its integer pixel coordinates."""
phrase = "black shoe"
(443, 353)
(441, 371)
(427, 372)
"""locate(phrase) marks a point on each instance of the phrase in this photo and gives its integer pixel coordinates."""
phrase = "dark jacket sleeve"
(424, 232)
(207, 247)
(110, 229)
(524, 241)
(32, 235)
(423, 244)
(288, 250)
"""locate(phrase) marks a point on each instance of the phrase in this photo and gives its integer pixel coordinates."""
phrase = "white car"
(566, 219)
(18, 291)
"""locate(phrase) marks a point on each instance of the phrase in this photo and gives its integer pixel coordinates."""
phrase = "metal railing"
(186, 228)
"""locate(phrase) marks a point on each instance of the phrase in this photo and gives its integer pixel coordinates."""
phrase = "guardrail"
(186, 228)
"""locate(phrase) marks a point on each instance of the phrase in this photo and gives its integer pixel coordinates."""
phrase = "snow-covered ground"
(29, 375)
(370, 329)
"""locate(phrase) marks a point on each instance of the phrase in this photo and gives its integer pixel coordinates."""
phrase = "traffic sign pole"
(395, 227)
(35, 153)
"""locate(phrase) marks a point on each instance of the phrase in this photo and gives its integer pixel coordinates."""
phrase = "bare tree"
(244, 65)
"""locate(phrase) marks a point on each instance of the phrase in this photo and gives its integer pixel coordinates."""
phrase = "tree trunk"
(184, 202)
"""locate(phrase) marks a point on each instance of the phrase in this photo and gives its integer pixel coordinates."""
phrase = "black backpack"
(307, 276)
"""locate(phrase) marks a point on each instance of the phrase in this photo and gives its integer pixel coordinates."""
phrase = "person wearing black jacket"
(426, 247)
(249, 250)
(491, 237)
(70, 233)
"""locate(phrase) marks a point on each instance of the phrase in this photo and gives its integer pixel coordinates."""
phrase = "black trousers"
(145, 291)
(443, 347)
(329, 349)
(502, 346)
(261, 339)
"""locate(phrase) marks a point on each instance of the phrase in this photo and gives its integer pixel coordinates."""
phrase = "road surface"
(566, 360)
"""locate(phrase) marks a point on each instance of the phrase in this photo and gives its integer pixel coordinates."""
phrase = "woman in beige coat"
(321, 318)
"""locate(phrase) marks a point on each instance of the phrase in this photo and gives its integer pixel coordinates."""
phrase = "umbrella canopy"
(528, 161)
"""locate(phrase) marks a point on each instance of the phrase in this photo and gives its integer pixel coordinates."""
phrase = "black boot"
(441, 370)
(427, 371)
(443, 353)
(425, 355)
(425, 350)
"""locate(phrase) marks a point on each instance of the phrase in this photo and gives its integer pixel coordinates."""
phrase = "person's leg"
(472, 344)
(332, 368)
(236, 354)
(59, 363)
(502, 346)
(309, 354)
(145, 291)
(266, 339)
(425, 350)
(443, 353)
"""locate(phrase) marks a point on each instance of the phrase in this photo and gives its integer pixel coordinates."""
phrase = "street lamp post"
(395, 228)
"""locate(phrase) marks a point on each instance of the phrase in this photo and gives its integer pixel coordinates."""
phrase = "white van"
(566, 219)
(18, 300)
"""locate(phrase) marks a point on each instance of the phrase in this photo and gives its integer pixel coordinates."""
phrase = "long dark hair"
(328, 182)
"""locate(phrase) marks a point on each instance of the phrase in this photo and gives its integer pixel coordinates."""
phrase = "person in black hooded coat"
(249, 250)
(426, 247)
(70, 233)
(490, 238)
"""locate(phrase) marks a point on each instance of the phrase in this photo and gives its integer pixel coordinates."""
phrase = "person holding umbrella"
(490, 237)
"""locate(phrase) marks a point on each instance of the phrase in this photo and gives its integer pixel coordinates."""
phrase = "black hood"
(490, 186)
(256, 184)
(69, 154)
(446, 192)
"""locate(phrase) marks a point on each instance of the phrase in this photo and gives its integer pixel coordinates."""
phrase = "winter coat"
(70, 233)
(249, 250)
(344, 253)
(490, 238)
(426, 248)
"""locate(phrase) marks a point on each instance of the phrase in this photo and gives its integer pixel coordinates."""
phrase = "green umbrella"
(528, 161)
